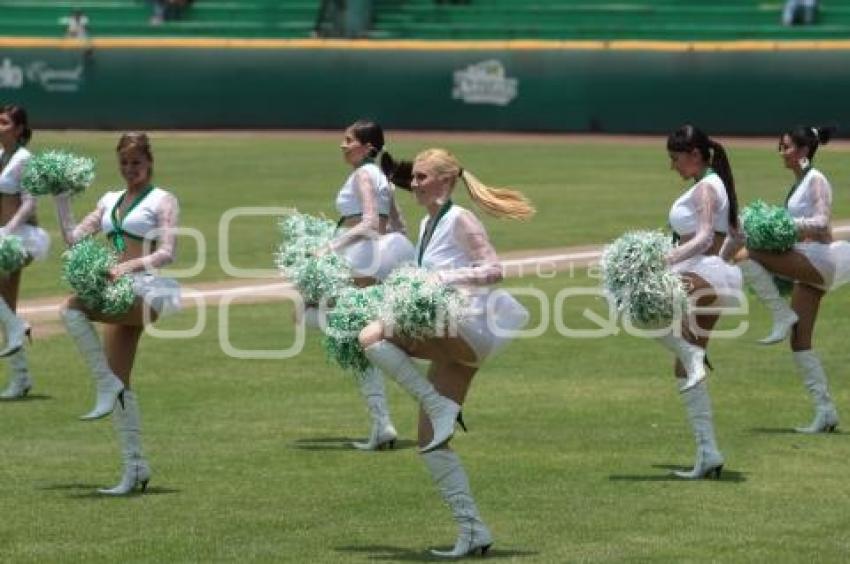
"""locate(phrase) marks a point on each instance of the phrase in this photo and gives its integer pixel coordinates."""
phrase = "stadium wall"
(625, 87)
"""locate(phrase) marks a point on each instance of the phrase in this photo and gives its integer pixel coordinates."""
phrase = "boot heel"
(716, 472)
(484, 550)
(829, 428)
(28, 334)
(143, 485)
(460, 421)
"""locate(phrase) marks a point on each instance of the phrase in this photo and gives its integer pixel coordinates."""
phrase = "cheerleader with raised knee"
(816, 264)
(371, 238)
(701, 219)
(17, 215)
(140, 222)
(454, 246)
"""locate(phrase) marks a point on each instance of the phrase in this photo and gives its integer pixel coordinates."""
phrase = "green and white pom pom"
(302, 234)
(86, 269)
(57, 172)
(417, 306)
(354, 308)
(636, 275)
(768, 228)
(319, 278)
(13, 255)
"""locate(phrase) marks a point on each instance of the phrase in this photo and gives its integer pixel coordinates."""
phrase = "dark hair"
(810, 137)
(686, 139)
(19, 118)
(370, 132)
(399, 173)
(135, 141)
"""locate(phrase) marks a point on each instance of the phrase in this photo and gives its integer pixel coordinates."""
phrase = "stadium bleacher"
(426, 19)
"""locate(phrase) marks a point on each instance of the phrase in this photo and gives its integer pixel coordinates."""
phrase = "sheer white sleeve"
(25, 210)
(73, 232)
(735, 239)
(817, 223)
(703, 238)
(168, 215)
(369, 221)
(396, 221)
(472, 237)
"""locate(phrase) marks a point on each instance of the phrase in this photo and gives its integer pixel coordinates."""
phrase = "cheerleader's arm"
(818, 223)
(369, 221)
(25, 210)
(486, 268)
(704, 236)
(735, 239)
(396, 220)
(71, 231)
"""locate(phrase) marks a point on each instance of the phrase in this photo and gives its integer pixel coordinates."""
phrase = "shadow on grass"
(343, 443)
(399, 554)
(28, 397)
(787, 431)
(89, 491)
(725, 476)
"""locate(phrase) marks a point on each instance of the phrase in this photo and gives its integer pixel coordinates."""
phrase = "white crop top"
(812, 197)
(683, 216)
(10, 176)
(138, 221)
(348, 201)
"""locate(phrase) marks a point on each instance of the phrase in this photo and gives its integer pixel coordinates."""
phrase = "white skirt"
(377, 257)
(724, 278)
(494, 318)
(831, 260)
(160, 294)
(35, 240)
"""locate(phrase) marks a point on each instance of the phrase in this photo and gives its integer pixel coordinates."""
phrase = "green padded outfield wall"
(315, 84)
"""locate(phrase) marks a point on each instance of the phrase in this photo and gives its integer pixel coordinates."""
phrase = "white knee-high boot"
(761, 281)
(20, 382)
(14, 327)
(127, 422)
(814, 378)
(709, 460)
(442, 411)
(383, 434)
(691, 356)
(109, 387)
(448, 473)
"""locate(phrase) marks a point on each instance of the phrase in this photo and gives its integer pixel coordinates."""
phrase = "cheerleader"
(371, 236)
(17, 214)
(140, 223)
(701, 218)
(815, 264)
(454, 245)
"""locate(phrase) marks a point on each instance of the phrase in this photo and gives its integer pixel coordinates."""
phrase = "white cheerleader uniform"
(831, 260)
(493, 315)
(140, 222)
(35, 239)
(372, 256)
(724, 278)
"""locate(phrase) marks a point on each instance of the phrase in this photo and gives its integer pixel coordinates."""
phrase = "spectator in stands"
(168, 10)
(800, 12)
(76, 25)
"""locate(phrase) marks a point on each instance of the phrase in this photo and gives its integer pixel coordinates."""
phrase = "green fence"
(512, 89)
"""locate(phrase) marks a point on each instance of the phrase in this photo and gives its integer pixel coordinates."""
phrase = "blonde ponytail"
(498, 202)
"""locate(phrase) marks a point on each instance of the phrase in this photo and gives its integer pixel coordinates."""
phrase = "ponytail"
(399, 173)
(498, 202)
(720, 164)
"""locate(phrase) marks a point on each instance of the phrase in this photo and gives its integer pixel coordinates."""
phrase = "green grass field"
(570, 441)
